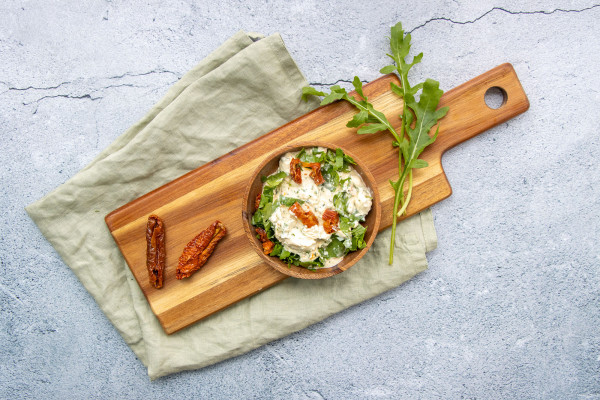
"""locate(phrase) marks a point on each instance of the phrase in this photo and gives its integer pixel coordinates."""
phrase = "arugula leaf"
(418, 163)
(359, 118)
(340, 203)
(270, 183)
(289, 201)
(310, 91)
(281, 252)
(274, 180)
(310, 265)
(266, 197)
(302, 155)
(330, 175)
(284, 255)
(277, 249)
(337, 93)
(371, 128)
(358, 238)
(348, 159)
(344, 181)
(313, 156)
(267, 211)
(257, 217)
(345, 224)
(335, 248)
(339, 159)
(426, 117)
(418, 118)
(357, 83)
(333, 162)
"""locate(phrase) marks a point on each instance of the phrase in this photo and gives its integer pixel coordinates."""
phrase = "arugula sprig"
(372, 121)
(418, 117)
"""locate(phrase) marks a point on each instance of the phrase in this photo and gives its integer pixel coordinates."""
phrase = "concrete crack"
(93, 95)
(9, 86)
(119, 85)
(155, 71)
(543, 12)
(34, 87)
(66, 96)
(334, 83)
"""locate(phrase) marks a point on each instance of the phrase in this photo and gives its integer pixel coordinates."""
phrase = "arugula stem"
(398, 197)
(394, 220)
(408, 195)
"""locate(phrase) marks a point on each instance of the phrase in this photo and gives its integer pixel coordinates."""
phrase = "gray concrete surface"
(510, 305)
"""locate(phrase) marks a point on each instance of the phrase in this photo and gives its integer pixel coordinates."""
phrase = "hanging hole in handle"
(495, 97)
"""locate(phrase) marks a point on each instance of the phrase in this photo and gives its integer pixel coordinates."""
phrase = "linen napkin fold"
(247, 87)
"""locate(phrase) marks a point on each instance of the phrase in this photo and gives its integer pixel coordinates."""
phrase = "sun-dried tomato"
(262, 234)
(330, 221)
(266, 243)
(315, 174)
(306, 217)
(257, 201)
(268, 247)
(296, 170)
(198, 250)
(155, 250)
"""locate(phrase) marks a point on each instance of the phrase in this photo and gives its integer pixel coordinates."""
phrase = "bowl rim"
(296, 271)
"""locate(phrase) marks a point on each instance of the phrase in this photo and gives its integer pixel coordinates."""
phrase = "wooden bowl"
(254, 187)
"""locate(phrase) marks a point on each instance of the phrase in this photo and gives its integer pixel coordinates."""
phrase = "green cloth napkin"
(247, 87)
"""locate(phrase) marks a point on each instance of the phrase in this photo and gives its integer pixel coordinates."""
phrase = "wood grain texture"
(214, 191)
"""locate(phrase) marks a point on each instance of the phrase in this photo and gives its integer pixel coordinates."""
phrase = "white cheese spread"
(292, 233)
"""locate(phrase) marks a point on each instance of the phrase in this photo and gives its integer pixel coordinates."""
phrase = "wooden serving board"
(213, 191)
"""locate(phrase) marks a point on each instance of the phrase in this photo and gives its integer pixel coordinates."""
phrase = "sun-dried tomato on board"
(315, 174)
(155, 250)
(296, 170)
(306, 217)
(267, 245)
(199, 249)
(330, 220)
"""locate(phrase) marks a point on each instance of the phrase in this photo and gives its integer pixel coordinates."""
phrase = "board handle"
(469, 115)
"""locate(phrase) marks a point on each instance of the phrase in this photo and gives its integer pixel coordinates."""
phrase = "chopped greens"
(273, 180)
(335, 248)
(418, 117)
(340, 202)
(288, 201)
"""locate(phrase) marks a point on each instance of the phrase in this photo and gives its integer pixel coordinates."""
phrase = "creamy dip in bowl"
(311, 210)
